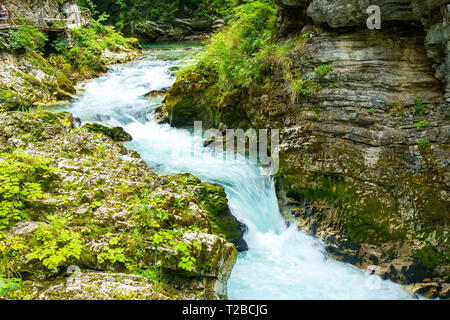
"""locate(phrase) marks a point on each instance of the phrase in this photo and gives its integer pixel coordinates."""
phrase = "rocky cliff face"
(89, 205)
(36, 8)
(430, 15)
(179, 29)
(364, 144)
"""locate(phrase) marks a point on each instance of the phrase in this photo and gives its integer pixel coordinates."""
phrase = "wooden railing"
(45, 22)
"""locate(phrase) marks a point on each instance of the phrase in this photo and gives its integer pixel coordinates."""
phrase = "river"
(281, 262)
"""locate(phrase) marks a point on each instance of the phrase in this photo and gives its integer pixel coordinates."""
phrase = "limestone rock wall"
(359, 134)
(431, 15)
(37, 8)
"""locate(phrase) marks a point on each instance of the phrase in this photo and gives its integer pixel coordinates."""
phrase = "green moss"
(364, 219)
(214, 199)
(429, 259)
(11, 100)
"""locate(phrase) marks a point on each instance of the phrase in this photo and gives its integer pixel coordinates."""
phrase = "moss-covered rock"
(190, 98)
(115, 133)
(87, 201)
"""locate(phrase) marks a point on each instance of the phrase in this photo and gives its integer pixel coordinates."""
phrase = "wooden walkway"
(56, 22)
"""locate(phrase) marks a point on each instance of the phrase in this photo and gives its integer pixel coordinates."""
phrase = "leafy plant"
(8, 285)
(420, 125)
(22, 177)
(112, 252)
(237, 53)
(54, 244)
(324, 69)
(423, 143)
(419, 106)
(10, 246)
(26, 37)
(59, 45)
(152, 273)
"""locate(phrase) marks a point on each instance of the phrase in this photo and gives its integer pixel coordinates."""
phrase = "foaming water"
(282, 262)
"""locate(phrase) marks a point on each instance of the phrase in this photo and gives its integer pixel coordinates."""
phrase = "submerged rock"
(161, 116)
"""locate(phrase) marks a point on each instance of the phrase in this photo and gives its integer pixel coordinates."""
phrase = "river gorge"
(282, 262)
(109, 189)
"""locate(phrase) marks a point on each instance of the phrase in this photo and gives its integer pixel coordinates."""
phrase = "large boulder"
(96, 206)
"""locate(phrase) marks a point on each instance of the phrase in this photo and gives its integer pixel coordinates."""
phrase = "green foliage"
(10, 248)
(297, 85)
(53, 244)
(8, 285)
(24, 38)
(124, 12)
(59, 45)
(152, 273)
(324, 69)
(95, 204)
(419, 106)
(423, 143)
(90, 5)
(83, 59)
(237, 53)
(420, 125)
(244, 57)
(427, 258)
(80, 62)
(22, 177)
(153, 218)
(112, 253)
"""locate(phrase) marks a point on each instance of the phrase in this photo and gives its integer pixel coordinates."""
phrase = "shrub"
(324, 69)
(419, 106)
(237, 53)
(54, 244)
(26, 37)
(423, 143)
(122, 12)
